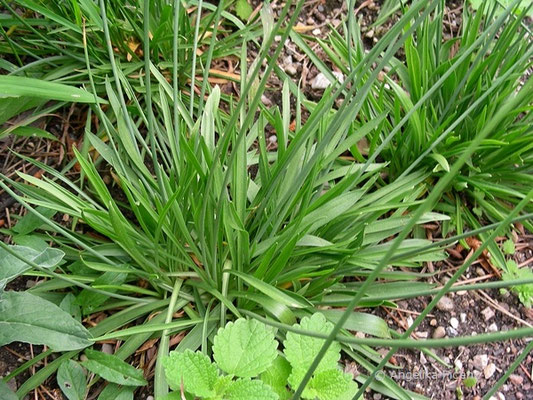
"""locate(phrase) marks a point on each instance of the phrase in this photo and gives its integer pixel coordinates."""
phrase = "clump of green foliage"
(179, 214)
(246, 351)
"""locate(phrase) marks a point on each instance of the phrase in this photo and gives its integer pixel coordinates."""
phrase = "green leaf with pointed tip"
(25, 317)
(21, 86)
(243, 9)
(71, 380)
(301, 350)
(246, 389)
(89, 300)
(245, 348)
(276, 377)
(31, 222)
(11, 266)
(192, 369)
(113, 369)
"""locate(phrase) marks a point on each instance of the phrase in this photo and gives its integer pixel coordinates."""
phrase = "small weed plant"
(247, 353)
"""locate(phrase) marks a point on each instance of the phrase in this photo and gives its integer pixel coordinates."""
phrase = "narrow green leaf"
(21, 86)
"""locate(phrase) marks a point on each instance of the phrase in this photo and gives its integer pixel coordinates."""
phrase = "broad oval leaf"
(21, 86)
(6, 393)
(113, 369)
(245, 348)
(71, 380)
(11, 266)
(25, 317)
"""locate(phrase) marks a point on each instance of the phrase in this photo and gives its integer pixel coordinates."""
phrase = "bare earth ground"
(461, 313)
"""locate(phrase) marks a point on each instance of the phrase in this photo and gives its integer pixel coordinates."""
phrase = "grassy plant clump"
(438, 94)
(184, 218)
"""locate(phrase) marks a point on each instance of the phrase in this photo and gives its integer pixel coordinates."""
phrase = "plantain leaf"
(31, 319)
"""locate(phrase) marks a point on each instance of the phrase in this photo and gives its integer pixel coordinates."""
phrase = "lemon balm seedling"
(247, 363)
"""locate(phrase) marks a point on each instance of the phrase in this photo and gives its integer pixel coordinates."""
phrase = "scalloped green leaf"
(331, 385)
(301, 350)
(246, 389)
(276, 377)
(194, 370)
(245, 348)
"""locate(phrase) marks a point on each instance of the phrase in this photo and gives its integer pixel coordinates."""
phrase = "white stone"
(454, 323)
(489, 370)
(321, 82)
(487, 313)
(481, 361)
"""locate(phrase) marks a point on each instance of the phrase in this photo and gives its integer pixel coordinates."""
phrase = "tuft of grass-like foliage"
(438, 94)
(184, 218)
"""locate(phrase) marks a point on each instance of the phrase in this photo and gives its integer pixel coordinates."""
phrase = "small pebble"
(321, 82)
(370, 34)
(409, 321)
(310, 21)
(422, 335)
(107, 348)
(454, 323)
(452, 331)
(489, 370)
(150, 398)
(487, 313)
(463, 317)
(480, 361)
(440, 332)
(266, 101)
(316, 32)
(516, 380)
(320, 8)
(433, 322)
(291, 70)
(30, 283)
(493, 327)
(458, 364)
(423, 359)
(445, 304)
